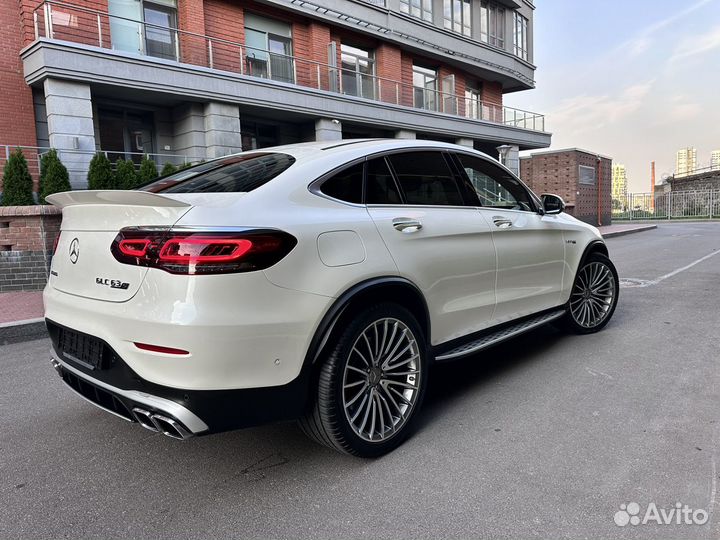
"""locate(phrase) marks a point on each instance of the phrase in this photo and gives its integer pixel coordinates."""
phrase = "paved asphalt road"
(543, 437)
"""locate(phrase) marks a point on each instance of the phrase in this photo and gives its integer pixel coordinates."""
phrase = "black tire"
(326, 420)
(572, 322)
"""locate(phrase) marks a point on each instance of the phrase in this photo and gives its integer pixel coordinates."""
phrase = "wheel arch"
(388, 288)
(596, 246)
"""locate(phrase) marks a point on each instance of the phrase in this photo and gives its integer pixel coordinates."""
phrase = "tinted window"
(231, 175)
(381, 188)
(425, 178)
(495, 187)
(345, 185)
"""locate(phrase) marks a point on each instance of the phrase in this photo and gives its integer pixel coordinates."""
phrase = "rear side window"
(234, 174)
(381, 188)
(426, 179)
(345, 185)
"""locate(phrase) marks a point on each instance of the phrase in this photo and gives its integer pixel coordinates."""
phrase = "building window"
(131, 30)
(473, 103)
(521, 36)
(358, 71)
(425, 88)
(587, 175)
(458, 16)
(268, 49)
(492, 24)
(422, 9)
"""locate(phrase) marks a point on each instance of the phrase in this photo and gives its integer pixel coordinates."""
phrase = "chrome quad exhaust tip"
(161, 424)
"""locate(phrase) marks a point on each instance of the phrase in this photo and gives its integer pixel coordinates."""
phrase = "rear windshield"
(234, 174)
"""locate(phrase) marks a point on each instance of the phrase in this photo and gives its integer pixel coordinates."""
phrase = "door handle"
(502, 222)
(406, 225)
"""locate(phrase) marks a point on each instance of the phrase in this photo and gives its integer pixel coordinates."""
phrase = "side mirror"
(552, 204)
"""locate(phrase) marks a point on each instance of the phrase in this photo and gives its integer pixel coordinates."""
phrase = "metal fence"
(704, 204)
(76, 161)
(58, 20)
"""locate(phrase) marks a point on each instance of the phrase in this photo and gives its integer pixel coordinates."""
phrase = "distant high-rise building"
(686, 162)
(715, 160)
(619, 182)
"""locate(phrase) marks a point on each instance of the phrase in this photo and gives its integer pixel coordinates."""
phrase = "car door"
(529, 245)
(438, 242)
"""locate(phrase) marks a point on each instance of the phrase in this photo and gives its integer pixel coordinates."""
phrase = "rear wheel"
(371, 384)
(594, 295)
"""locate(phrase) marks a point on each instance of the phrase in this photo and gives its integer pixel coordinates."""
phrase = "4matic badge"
(112, 283)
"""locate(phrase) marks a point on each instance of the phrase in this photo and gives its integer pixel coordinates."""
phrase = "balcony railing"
(62, 21)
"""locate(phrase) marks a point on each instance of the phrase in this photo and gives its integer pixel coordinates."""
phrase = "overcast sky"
(636, 80)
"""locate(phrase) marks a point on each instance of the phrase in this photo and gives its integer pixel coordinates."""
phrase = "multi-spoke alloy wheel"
(381, 379)
(594, 295)
(371, 383)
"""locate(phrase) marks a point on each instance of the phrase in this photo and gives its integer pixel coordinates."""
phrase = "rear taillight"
(202, 252)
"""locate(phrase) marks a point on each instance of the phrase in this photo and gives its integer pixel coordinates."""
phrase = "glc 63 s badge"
(112, 283)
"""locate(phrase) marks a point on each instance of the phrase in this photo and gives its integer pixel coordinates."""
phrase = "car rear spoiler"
(113, 197)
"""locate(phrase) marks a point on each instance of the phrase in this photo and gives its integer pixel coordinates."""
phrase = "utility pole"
(652, 186)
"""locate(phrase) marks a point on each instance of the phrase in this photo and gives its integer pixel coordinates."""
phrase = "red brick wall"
(388, 65)
(27, 236)
(226, 21)
(191, 18)
(558, 173)
(17, 116)
(406, 77)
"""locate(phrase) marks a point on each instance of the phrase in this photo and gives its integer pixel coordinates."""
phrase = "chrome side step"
(507, 332)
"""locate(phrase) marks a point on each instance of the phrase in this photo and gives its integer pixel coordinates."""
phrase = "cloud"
(585, 113)
(683, 112)
(697, 45)
(643, 40)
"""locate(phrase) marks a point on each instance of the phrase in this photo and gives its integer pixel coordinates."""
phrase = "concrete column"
(328, 130)
(70, 126)
(465, 142)
(405, 134)
(222, 129)
(512, 157)
(513, 160)
(189, 131)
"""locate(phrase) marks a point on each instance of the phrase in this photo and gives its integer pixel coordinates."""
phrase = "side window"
(494, 186)
(381, 188)
(345, 185)
(426, 179)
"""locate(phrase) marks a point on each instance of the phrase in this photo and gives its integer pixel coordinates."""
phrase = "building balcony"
(75, 43)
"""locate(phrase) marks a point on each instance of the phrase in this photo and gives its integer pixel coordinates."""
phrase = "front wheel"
(594, 295)
(371, 384)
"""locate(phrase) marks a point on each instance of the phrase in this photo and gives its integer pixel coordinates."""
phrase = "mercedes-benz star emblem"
(74, 250)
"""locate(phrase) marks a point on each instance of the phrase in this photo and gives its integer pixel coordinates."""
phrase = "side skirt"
(493, 336)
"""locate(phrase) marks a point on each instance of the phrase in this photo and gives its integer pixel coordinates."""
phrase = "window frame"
(470, 199)
(535, 203)
(425, 8)
(492, 32)
(520, 35)
(465, 23)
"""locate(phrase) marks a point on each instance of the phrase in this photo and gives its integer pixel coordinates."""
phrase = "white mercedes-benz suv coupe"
(316, 282)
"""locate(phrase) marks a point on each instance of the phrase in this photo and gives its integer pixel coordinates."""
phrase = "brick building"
(578, 176)
(196, 79)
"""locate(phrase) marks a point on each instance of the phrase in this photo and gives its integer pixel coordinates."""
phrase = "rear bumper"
(177, 412)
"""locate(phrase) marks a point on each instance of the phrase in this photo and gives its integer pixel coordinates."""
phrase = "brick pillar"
(191, 18)
(492, 100)
(70, 126)
(406, 77)
(388, 61)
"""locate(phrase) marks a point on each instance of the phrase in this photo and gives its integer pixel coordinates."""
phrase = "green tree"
(54, 174)
(100, 173)
(168, 168)
(125, 175)
(148, 170)
(17, 182)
